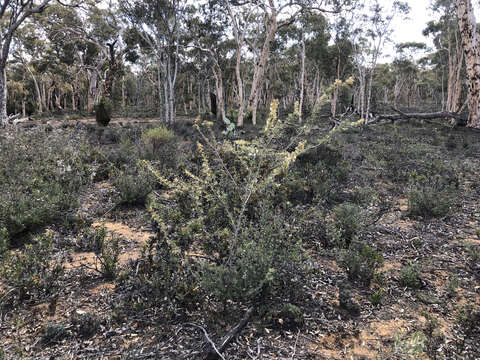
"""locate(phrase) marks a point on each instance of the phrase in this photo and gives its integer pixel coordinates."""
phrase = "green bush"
(468, 317)
(53, 333)
(432, 196)
(317, 176)
(347, 222)
(286, 316)
(41, 176)
(85, 325)
(410, 276)
(361, 262)
(225, 210)
(31, 273)
(107, 249)
(376, 297)
(159, 144)
(134, 186)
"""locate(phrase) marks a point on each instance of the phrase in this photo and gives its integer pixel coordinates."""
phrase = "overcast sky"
(411, 29)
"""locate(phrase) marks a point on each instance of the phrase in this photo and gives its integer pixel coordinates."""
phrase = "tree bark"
(302, 80)
(3, 95)
(271, 29)
(468, 31)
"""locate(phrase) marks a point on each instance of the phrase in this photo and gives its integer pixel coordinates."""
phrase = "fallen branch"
(233, 332)
(213, 352)
(212, 344)
(421, 116)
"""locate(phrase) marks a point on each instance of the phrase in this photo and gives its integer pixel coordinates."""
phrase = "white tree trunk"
(468, 29)
(302, 80)
(3, 95)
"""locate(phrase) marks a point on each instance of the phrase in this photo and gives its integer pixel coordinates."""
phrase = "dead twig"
(212, 344)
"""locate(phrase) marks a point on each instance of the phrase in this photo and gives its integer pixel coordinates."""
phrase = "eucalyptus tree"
(271, 15)
(13, 14)
(207, 37)
(159, 24)
(28, 51)
(370, 34)
(471, 46)
(448, 43)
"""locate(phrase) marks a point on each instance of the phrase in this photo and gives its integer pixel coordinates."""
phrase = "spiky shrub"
(432, 194)
(160, 144)
(347, 222)
(31, 273)
(134, 185)
(410, 276)
(41, 176)
(361, 262)
(106, 246)
(219, 233)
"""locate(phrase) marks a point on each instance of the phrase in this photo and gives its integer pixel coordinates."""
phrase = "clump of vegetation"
(103, 112)
(410, 276)
(85, 325)
(225, 209)
(347, 223)
(31, 274)
(53, 333)
(347, 301)
(376, 297)
(432, 194)
(361, 262)
(286, 316)
(41, 181)
(160, 144)
(468, 317)
(107, 249)
(134, 186)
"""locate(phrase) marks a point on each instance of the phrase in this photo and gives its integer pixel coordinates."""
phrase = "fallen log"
(461, 120)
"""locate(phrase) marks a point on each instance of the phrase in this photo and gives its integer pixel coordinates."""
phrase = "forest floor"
(419, 321)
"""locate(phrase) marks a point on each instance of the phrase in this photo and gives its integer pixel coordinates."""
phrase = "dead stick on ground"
(295, 347)
(205, 333)
(234, 331)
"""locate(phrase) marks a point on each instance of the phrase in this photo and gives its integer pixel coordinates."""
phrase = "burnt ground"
(423, 322)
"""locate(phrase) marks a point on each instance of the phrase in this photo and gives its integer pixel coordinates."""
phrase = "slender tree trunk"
(468, 30)
(302, 80)
(217, 72)
(3, 94)
(123, 93)
(260, 64)
(336, 88)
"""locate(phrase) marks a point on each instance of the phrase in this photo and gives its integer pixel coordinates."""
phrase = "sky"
(411, 29)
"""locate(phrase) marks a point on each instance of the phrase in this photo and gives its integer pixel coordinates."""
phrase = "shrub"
(225, 211)
(41, 176)
(347, 301)
(159, 144)
(431, 196)
(473, 253)
(410, 276)
(107, 249)
(31, 273)
(376, 297)
(85, 325)
(468, 317)
(316, 176)
(360, 262)
(347, 223)
(286, 316)
(103, 112)
(53, 333)
(134, 186)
